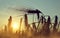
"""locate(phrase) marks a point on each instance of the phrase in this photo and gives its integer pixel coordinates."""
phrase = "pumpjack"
(30, 11)
(46, 22)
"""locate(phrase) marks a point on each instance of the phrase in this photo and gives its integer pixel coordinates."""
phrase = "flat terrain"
(26, 35)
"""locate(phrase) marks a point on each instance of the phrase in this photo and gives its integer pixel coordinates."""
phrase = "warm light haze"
(15, 26)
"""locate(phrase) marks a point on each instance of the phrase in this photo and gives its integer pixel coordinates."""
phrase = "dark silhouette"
(42, 19)
(9, 23)
(55, 24)
(26, 20)
(48, 24)
(20, 23)
(31, 11)
(35, 11)
(34, 26)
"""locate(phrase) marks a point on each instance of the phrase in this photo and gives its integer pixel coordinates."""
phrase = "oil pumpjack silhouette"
(45, 22)
(31, 11)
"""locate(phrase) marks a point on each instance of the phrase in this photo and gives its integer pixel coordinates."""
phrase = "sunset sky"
(48, 7)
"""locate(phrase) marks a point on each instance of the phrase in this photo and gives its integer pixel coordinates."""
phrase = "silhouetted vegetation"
(34, 31)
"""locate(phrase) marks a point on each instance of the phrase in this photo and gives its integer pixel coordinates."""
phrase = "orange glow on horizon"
(15, 27)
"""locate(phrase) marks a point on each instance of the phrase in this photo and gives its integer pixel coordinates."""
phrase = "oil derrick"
(55, 24)
(9, 24)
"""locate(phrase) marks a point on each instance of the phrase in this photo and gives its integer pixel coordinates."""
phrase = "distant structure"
(45, 22)
(31, 11)
(35, 11)
(9, 24)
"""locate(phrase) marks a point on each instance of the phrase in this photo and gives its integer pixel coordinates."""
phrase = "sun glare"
(15, 27)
